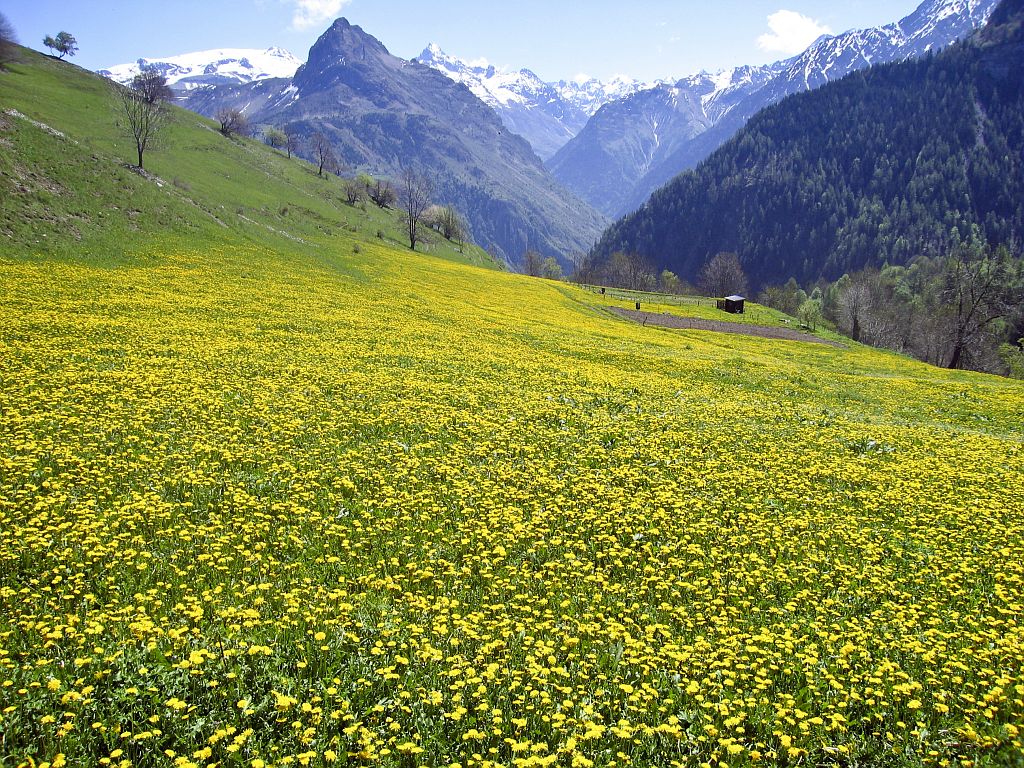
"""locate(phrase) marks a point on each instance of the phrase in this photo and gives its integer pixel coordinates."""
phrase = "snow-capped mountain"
(224, 66)
(724, 101)
(545, 114)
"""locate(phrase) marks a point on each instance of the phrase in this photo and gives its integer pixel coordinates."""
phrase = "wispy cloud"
(791, 32)
(311, 13)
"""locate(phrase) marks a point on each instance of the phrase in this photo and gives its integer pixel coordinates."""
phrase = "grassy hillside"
(267, 504)
(74, 195)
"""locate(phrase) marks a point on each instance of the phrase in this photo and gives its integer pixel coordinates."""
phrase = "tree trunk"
(954, 360)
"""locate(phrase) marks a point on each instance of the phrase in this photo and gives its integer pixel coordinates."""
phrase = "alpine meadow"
(278, 489)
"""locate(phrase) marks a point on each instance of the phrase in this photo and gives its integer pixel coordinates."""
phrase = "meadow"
(276, 491)
(259, 509)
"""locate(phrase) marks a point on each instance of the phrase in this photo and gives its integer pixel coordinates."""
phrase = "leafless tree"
(381, 192)
(978, 291)
(723, 275)
(152, 86)
(354, 191)
(232, 121)
(8, 42)
(143, 118)
(447, 221)
(533, 262)
(414, 192)
(855, 305)
(292, 142)
(323, 154)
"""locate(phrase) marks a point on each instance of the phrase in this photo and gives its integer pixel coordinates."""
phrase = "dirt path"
(691, 323)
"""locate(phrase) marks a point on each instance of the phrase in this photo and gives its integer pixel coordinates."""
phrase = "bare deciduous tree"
(723, 275)
(143, 118)
(977, 292)
(152, 86)
(323, 154)
(232, 121)
(414, 194)
(855, 306)
(354, 191)
(292, 142)
(533, 262)
(381, 192)
(447, 221)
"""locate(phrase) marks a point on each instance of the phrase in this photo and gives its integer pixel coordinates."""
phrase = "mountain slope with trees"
(70, 186)
(721, 104)
(886, 164)
(382, 114)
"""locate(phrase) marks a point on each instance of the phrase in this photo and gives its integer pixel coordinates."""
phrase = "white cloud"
(791, 33)
(310, 13)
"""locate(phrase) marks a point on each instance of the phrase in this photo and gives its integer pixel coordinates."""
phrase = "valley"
(279, 487)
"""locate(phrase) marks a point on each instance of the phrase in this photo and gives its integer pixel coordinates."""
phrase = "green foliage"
(64, 44)
(1012, 356)
(550, 269)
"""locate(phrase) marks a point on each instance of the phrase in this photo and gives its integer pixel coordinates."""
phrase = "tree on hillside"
(980, 289)
(292, 142)
(414, 192)
(723, 275)
(232, 121)
(323, 154)
(856, 305)
(143, 117)
(274, 137)
(152, 86)
(354, 191)
(8, 41)
(533, 262)
(380, 191)
(447, 221)
(64, 44)
(551, 269)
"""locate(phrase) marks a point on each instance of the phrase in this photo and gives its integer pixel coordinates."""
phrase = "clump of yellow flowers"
(258, 510)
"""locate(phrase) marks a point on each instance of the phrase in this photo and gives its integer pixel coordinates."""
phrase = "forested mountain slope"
(883, 165)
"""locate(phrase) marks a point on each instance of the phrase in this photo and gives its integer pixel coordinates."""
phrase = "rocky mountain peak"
(343, 46)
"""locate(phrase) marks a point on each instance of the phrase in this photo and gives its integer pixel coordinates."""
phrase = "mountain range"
(635, 145)
(611, 144)
(207, 69)
(546, 114)
(900, 160)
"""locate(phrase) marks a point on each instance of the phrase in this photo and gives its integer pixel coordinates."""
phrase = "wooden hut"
(732, 304)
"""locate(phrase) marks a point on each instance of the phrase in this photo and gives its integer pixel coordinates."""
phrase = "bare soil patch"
(697, 324)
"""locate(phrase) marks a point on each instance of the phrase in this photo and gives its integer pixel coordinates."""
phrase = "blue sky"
(645, 39)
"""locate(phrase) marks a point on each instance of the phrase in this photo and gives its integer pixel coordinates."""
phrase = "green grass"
(77, 196)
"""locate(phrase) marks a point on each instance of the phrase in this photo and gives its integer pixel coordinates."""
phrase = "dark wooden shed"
(733, 304)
